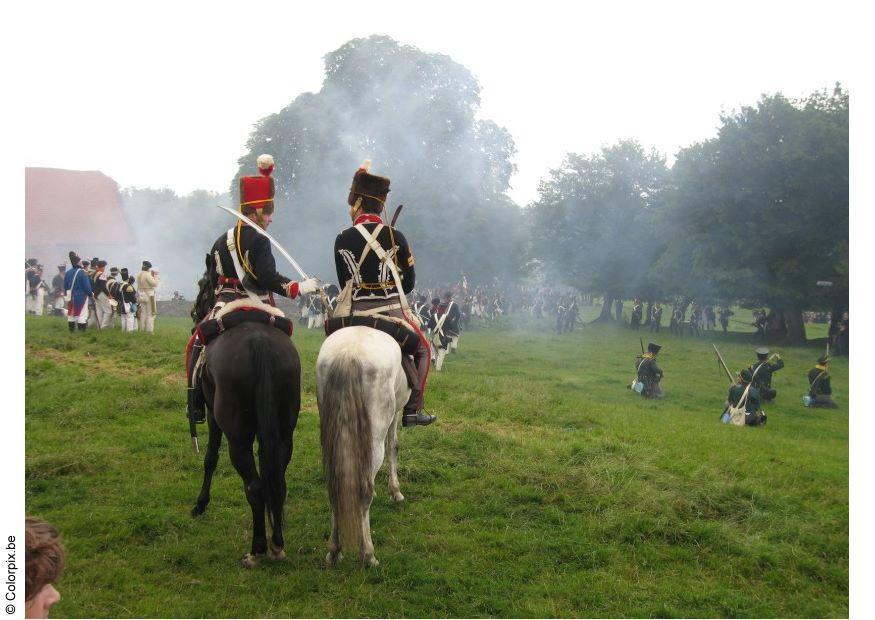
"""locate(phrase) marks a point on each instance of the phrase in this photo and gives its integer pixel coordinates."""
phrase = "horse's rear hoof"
(277, 554)
(249, 561)
(198, 510)
(371, 561)
(333, 559)
(397, 496)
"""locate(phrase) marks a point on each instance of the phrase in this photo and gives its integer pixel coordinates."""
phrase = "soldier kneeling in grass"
(819, 388)
(743, 394)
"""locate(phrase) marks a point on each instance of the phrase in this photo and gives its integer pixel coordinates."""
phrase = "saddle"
(405, 336)
(242, 311)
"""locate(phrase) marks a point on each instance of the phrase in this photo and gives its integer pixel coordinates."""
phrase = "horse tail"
(345, 433)
(268, 432)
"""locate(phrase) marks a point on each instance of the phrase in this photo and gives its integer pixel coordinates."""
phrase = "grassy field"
(546, 488)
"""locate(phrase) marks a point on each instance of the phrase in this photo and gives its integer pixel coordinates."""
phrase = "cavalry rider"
(762, 371)
(240, 265)
(374, 287)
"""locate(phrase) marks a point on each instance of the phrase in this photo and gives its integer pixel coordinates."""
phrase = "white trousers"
(103, 310)
(128, 321)
(36, 303)
(82, 319)
(147, 319)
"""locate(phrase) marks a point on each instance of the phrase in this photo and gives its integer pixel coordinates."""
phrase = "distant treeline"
(757, 215)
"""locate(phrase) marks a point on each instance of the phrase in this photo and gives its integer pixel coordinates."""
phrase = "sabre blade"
(275, 243)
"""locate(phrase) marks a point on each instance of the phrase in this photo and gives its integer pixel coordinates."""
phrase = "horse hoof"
(371, 561)
(333, 559)
(249, 561)
(277, 554)
(397, 496)
(198, 510)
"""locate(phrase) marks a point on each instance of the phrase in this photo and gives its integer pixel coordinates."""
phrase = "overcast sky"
(165, 94)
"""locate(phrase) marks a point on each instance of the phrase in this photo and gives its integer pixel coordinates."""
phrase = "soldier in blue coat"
(77, 289)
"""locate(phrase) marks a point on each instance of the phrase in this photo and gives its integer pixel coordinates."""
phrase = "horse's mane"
(205, 300)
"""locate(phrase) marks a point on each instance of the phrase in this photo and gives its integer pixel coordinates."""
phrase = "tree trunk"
(607, 310)
(795, 326)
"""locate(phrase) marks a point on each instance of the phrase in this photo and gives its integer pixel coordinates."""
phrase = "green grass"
(546, 488)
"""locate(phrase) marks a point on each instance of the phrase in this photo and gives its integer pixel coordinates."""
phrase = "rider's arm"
(405, 262)
(339, 264)
(264, 266)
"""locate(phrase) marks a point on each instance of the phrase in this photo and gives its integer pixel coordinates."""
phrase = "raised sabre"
(282, 251)
(275, 243)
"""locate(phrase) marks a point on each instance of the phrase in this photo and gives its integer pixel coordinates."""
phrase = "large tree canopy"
(413, 114)
(594, 220)
(759, 214)
(763, 207)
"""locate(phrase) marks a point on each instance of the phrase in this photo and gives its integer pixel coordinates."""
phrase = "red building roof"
(72, 208)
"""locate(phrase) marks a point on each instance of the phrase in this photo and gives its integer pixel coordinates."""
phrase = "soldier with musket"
(241, 265)
(648, 373)
(819, 388)
(372, 255)
(762, 371)
(57, 293)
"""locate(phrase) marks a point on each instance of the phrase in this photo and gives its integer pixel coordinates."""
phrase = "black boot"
(81, 326)
(412, 417)
(196, 411)
(72, 326)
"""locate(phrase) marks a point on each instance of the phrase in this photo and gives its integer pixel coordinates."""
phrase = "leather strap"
(372, 243)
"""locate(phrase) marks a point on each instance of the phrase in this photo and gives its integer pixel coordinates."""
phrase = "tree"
(593, 220)
(413, 114)
(763, 208)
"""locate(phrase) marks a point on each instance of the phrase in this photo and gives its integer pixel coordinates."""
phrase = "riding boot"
(196, 411)
(412, 417)
(72, 326)
(81, 326)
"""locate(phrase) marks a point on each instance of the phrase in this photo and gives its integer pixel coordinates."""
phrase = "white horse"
(360, 388)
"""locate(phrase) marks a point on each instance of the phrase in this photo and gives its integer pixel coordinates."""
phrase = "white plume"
(264, 161)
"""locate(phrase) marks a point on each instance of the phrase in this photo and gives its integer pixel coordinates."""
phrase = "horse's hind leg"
(277, 542)
(244, 463)
(367, 549)
(392, 452)
(367, 545)
(334, 555)
(211, 458)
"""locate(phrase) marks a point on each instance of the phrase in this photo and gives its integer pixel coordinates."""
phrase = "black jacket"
(255, 257)
(375, 279)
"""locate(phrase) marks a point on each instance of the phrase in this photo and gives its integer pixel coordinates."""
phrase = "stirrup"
(418, 418)
(196, 412)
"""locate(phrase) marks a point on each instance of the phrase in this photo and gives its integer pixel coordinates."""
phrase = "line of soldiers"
(88, 294)
(752, 387)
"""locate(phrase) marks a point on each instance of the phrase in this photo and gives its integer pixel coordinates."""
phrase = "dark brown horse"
(252, 388)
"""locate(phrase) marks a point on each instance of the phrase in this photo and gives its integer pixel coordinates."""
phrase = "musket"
(641, 340)
(723, 364)
(397, 213)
